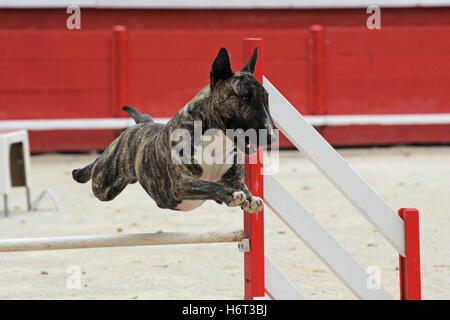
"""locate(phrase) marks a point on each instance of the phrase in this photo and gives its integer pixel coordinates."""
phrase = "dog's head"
(241, 102)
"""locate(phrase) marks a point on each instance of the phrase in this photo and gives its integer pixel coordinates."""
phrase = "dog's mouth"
(250, 148)
(247, 146)
(250, 145)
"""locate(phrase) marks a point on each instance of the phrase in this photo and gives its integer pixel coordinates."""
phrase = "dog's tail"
(136, 115)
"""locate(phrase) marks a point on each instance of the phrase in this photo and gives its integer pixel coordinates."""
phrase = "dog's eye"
(245, 98)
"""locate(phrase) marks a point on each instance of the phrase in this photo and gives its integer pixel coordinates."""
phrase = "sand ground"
(403, 176)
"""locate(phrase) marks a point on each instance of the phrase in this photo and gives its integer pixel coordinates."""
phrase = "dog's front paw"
(238, 198)
(255, 204)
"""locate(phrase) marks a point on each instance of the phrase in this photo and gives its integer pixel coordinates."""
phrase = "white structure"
(14, 164)
(302, 134)
(126, 240)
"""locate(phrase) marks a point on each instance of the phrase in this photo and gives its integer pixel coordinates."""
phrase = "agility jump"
(126, 240)
(261, 276)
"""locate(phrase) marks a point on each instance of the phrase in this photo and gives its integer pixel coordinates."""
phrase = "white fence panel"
(277, 286)
(336, 169)
(303, 224)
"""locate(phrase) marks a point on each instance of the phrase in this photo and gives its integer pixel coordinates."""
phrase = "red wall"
(220, 19)
(50, 72)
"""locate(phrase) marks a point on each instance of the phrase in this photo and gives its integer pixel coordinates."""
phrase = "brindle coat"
(143, 152)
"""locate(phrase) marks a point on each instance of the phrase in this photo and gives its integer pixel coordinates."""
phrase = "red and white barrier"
(402, 233)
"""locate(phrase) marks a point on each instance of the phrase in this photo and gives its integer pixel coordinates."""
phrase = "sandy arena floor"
(403, 176)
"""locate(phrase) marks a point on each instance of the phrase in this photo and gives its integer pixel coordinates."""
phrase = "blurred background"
(320, 54)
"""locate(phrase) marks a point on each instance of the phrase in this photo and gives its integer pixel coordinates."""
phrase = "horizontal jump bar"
(126, 240)
(317, 121)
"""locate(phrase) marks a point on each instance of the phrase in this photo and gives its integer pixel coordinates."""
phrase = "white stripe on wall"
(220, 4)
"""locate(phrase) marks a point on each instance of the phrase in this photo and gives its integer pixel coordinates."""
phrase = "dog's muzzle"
(265, 137)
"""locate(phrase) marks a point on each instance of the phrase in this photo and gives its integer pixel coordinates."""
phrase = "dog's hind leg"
(110, 176)
(106, 189)
(113, 170)
(83, 175)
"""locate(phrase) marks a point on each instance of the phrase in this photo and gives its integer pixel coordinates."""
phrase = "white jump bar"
(126, 240)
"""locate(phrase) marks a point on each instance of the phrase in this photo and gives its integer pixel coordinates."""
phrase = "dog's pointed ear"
(221, 68)
(251, 63)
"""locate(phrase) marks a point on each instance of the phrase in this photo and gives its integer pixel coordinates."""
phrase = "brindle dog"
(144, 152)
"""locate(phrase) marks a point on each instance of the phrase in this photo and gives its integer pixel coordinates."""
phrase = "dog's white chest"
(215, 158)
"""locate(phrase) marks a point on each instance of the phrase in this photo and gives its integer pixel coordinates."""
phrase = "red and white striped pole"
(409, 265)
(254, 179)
